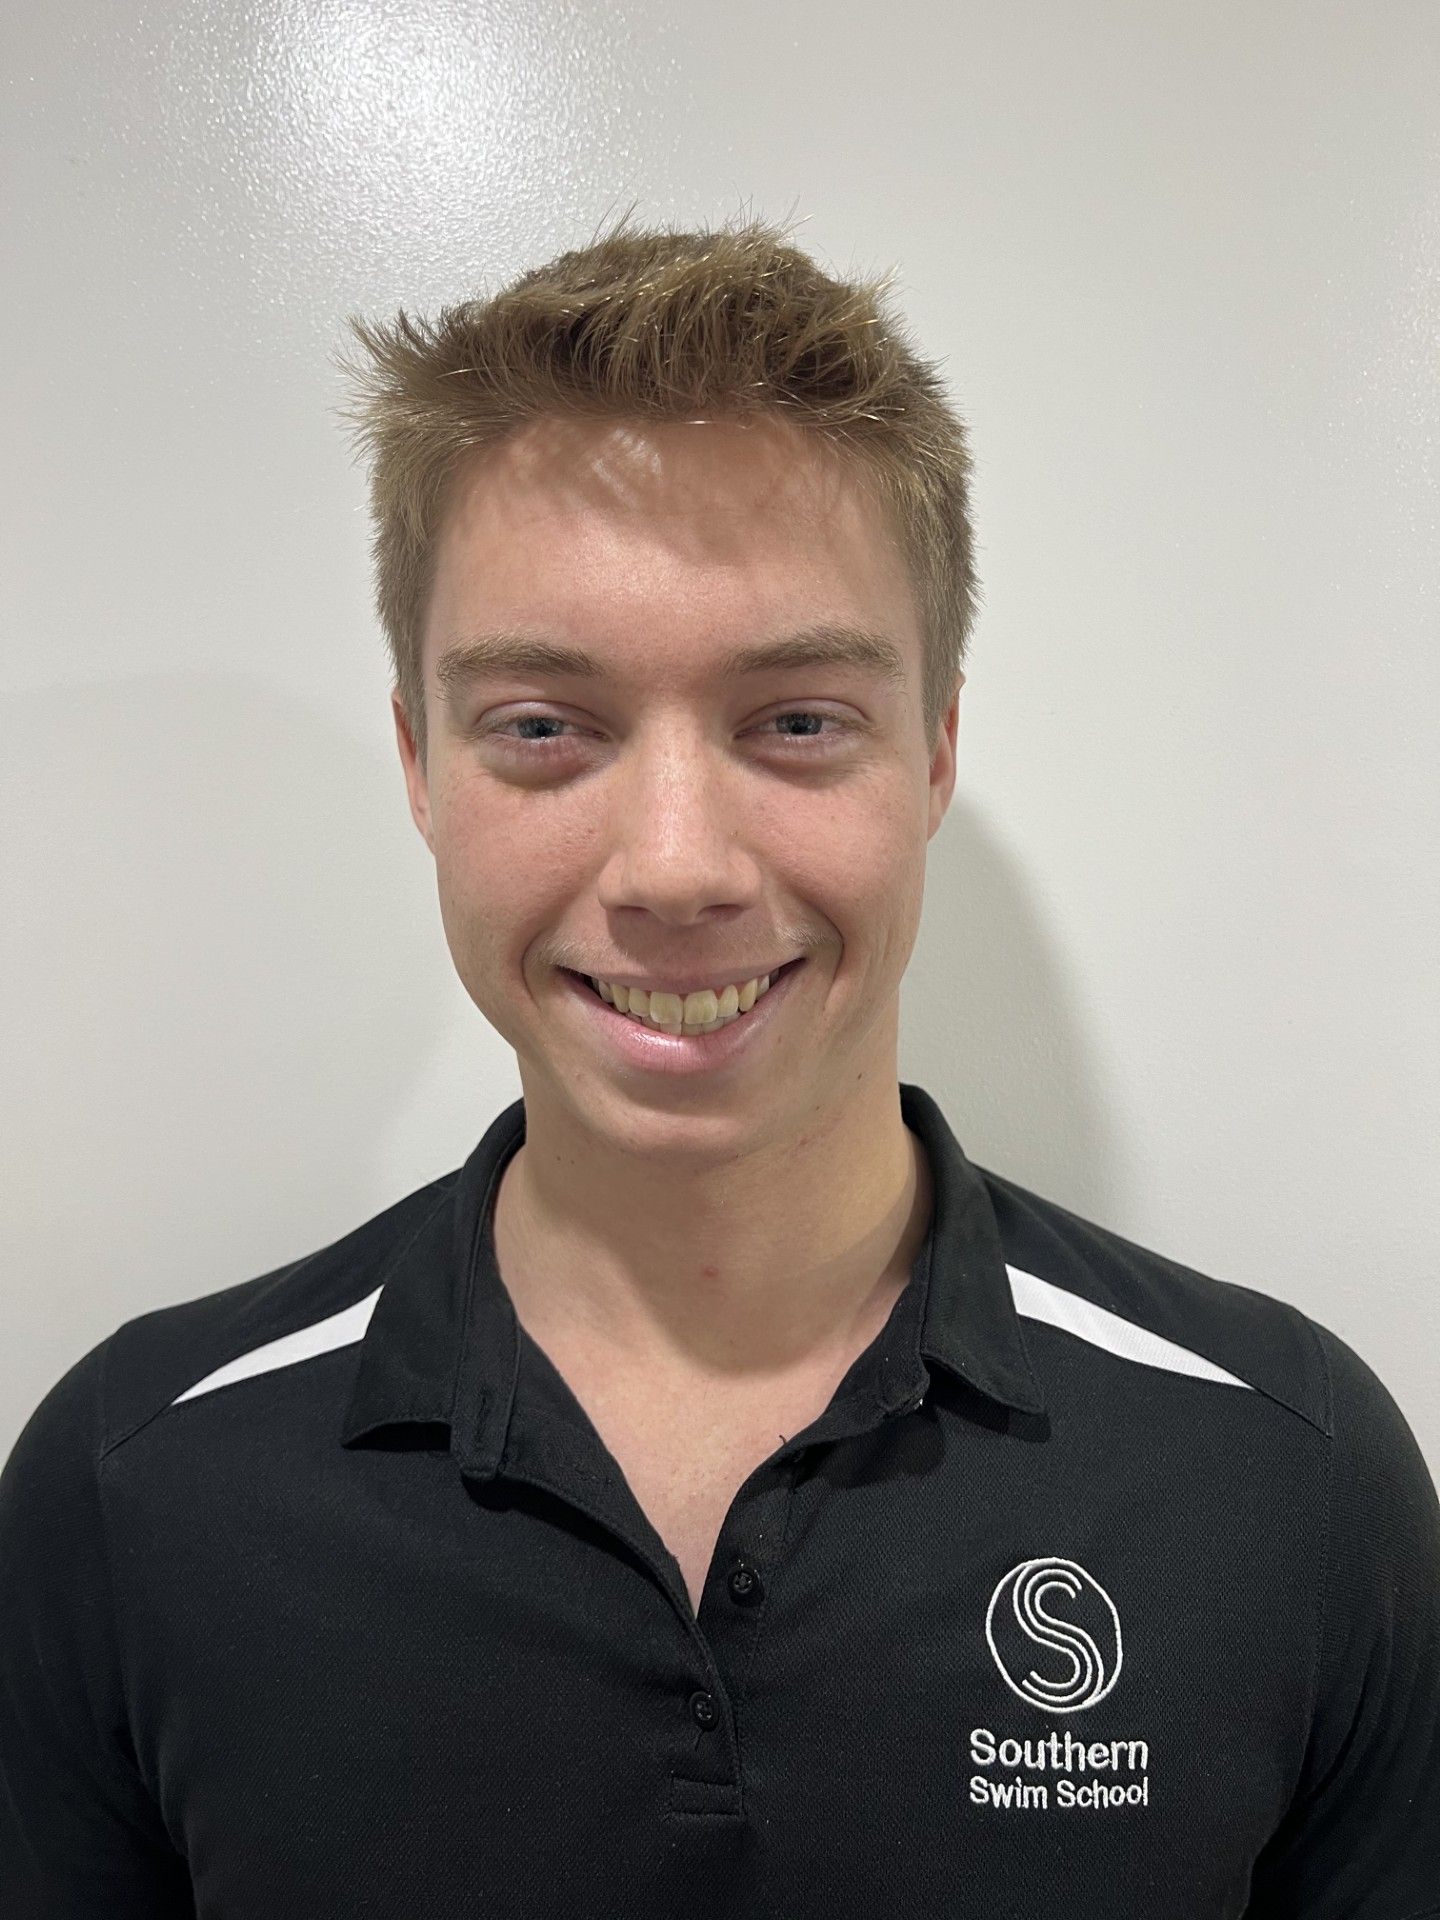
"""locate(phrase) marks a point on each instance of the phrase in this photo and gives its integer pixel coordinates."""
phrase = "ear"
(942, 762)
(416, 783)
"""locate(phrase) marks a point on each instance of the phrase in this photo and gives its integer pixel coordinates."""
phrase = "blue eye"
(805, 713)
(528, 720)
(500, 730)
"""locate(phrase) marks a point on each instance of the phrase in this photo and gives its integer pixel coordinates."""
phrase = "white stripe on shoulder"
(1037, 1299)
(341, 1329)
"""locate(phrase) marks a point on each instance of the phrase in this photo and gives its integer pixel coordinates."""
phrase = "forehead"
(588, 526)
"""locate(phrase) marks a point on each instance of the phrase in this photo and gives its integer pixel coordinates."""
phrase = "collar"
(968, 1320)
(442, 1345)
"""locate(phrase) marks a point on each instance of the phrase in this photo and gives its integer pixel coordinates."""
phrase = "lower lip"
(683, 1052)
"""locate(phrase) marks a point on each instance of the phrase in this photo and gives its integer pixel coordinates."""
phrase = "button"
(744, 1585)
(702, 1709)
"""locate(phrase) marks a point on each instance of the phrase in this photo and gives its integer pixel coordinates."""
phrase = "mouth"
(636, 1044)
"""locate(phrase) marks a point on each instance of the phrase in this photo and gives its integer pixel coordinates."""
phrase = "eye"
(817, 718)
(809, 713)
(498, 729)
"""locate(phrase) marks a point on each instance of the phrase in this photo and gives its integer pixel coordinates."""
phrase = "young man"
(719, 1496)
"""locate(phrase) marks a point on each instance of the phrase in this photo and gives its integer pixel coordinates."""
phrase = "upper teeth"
(689, 1009)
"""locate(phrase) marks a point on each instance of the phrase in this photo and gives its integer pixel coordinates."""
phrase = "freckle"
(710, 1273)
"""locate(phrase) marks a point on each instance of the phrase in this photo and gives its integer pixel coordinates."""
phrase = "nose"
(676, 839)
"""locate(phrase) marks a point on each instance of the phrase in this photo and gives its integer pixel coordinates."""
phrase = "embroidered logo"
(1083, 1639)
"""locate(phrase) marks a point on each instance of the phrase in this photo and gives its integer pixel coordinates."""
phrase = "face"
(658, 818)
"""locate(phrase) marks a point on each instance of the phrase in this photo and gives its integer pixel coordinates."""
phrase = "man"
(719, 1497)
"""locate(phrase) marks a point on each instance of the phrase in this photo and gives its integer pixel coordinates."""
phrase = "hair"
(653, 324)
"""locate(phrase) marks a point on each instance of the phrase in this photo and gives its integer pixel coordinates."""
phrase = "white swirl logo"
(1090, 1643)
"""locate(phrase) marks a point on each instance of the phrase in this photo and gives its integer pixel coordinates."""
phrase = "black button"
(702, 1709)
(744, 1585)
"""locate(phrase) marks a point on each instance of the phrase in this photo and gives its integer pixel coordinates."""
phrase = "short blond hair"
(653, 324)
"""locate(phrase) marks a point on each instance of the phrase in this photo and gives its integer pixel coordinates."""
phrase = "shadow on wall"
(990, 1026)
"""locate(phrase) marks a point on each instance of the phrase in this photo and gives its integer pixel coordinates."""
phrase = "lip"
(679, 1052)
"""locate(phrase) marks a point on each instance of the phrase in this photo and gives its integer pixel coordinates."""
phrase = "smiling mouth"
(674, 1026)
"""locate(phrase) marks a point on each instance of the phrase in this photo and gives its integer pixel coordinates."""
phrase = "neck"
(765, 1265)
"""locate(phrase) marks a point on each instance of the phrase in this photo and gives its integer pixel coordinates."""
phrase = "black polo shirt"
(1101, 1588)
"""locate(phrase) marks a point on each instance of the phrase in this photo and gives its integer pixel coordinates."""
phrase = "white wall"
(1178, 966)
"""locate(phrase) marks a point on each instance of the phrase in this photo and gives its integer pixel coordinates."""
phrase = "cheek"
(496, 852)
(862, 862)
(487, 883)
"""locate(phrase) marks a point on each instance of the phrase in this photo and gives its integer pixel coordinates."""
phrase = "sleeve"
(80, 1838)
(1361, 1839)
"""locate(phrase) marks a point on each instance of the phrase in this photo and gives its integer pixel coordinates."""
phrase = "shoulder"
(1056, 1257)
(124, 1381)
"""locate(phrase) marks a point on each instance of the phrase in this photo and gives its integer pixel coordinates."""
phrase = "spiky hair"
(654, 324)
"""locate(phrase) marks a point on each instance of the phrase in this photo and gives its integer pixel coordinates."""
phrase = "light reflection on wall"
(413, 135)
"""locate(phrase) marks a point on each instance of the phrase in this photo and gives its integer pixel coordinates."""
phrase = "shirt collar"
(442, 1345)
(968, 1319)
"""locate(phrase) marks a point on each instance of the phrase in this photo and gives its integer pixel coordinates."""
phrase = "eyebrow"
(513, 650)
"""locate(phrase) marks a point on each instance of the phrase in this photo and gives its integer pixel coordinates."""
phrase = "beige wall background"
(1179, 960)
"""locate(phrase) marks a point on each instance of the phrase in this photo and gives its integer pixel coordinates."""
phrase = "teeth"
(703, 1012)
